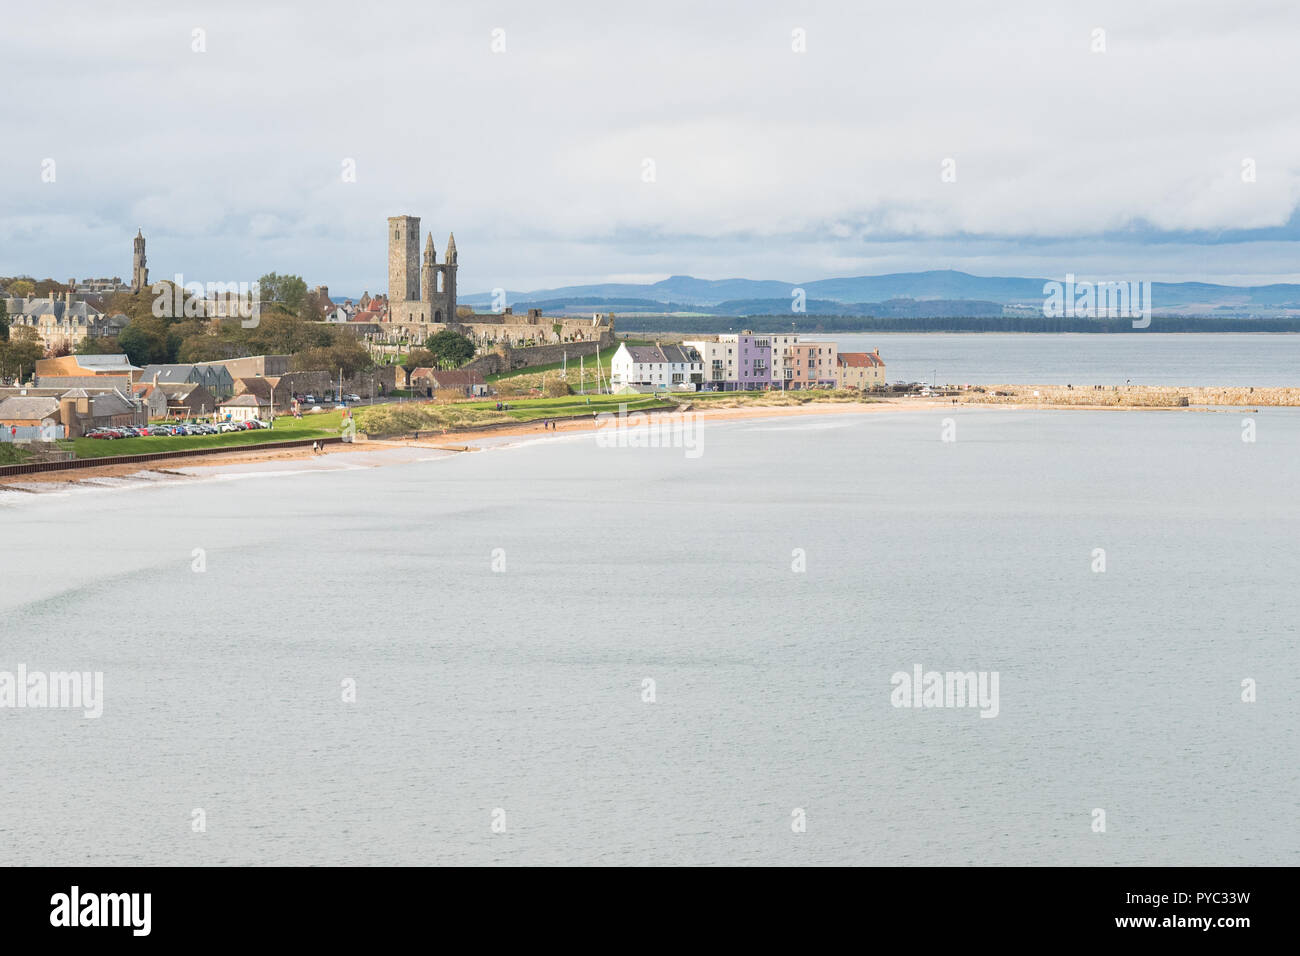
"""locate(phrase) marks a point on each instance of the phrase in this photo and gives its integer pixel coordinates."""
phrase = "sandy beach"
(448, 442)
(379, 452)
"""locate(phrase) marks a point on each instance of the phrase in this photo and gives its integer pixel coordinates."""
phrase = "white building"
(657, 366)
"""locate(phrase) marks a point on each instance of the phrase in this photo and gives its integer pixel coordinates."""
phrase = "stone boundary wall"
(506, 359)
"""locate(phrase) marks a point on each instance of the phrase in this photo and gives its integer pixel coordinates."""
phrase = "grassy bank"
(522, 380)
(11, 455)
(323, 425)
(398, 419)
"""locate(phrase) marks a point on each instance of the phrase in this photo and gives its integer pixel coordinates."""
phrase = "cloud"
(768, 162)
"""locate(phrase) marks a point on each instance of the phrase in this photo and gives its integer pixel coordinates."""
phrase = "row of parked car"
(175, 428)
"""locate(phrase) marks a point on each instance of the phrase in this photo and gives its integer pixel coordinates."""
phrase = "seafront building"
(754, 360)
(656, 366)
(859, 370)
(811, 365)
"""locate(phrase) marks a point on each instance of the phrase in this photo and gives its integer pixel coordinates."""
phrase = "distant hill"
(937, 293)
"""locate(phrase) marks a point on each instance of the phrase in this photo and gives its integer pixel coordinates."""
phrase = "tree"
(48, 287)
(420, 358)
(145, 341)
(451, 349)
(346, 355)
(313, 308)
(279, 333)
(143, 304)
(20, 352)
(4, 322)
(98, 345)
(22, 288)
(288, 291)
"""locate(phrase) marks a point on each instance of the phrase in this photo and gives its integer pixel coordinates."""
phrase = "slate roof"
(28, 409)
(169, 374)
(663, 354)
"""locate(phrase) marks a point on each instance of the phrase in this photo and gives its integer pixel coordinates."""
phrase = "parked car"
(351, 398)
(309, 399)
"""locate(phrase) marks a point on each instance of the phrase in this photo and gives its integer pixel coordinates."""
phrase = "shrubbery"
(410, 417)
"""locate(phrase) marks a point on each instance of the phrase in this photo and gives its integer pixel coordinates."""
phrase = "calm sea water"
(522, 689)
(1261, 360)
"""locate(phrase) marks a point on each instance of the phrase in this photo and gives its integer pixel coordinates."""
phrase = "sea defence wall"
(1132, 396)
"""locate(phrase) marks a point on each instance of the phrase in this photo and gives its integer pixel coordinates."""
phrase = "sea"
(1262, 360)
(557, 651)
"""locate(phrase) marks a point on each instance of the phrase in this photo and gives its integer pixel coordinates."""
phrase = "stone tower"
(429, 273)
(139, 274)
(403, 259)
(449, 278)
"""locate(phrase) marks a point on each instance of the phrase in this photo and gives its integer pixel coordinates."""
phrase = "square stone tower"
(403, 259)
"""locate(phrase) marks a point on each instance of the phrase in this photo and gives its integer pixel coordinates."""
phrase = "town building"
(442, 382)
(62, 322)
(861, 370)
(780, 351)
(153, 398)
(753, 359)
(244, 408)
(811, 365)
(188, 400)
(27, 412)
(266, 390)
(656, 366)
(718, 362)
(215, 377)
(80, 411)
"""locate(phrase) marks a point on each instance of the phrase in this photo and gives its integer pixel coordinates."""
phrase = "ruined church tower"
(428, 274)
(139, 274)
(403, 259)
(449, 278)
(419, 293)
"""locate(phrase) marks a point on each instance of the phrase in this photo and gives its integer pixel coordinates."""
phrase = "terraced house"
(656, 366)
(811, 365)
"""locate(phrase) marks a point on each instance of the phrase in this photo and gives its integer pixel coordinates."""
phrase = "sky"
(570, 142)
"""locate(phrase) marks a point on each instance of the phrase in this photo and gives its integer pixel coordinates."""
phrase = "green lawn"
(323, 425)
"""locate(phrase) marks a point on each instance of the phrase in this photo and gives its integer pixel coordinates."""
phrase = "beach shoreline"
(451, 441)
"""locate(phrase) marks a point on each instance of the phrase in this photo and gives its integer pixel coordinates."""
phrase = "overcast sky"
(768, 163)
